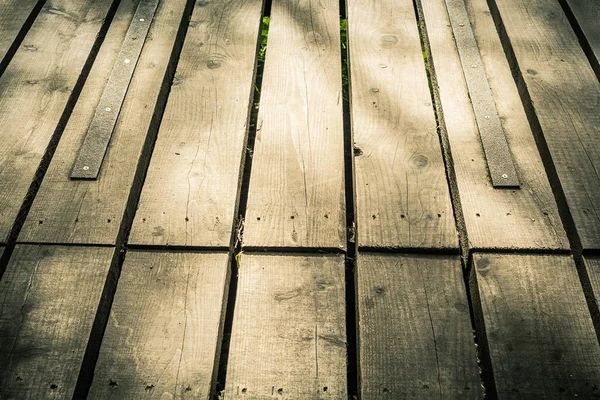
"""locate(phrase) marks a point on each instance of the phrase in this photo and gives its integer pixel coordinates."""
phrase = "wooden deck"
(296, 201)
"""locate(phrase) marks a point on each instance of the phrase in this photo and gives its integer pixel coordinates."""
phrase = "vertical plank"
(289, 332)
(164, 327)
(14, 15)
(539, 330)
(401, 189)
(414, 327)
(526, 218)
(190, 191)
(587, 14)
(34, 90)
(564, 93)
(91, 211)
(48, 301)
(296, 194)
(592, 265)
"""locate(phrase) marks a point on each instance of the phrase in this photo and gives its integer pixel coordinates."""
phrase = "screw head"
(473, 66)
(487, 117)
(107, 109)
(142, 19)
(461, 24)
(127, 61)
(505, 176)
(85, 168)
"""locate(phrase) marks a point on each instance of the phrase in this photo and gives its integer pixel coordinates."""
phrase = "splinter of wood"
(92, 151)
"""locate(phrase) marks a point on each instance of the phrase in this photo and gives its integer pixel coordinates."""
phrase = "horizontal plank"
(91, 211)
(289, 333)
(296, 196)
(525, 218)
(34, 91)
(564, 94)
(402, 195)
(48, 301)
(13, 17)
(190, 192)
(539, 330)
(164, 327)
(414, 327)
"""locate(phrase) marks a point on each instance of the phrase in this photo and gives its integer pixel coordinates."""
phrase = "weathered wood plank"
(414, 327)
(48, 301)
(289, 332)
(164, 327)
(34, 90)
(296, 195)
(77, 211)
(564, 94)
(592, 265)
(541, 339)
(402, 194)
(13, 16)
(189, 196)
(587, 14)
(526, 218)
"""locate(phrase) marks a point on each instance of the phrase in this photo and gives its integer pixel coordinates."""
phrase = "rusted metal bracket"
(93, 149)
(497, 153)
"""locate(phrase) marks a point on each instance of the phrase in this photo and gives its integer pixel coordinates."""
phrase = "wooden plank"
(527, 218)
(402, 194)
(34, 90)
(14, 15)
(415, 330)
(296, 196)
(48, 301)
(564, 94)
(592, 265)
(189, 196)
(289, 331)
(164, 327)
(587, 14)
(75, 211)
(540, 334)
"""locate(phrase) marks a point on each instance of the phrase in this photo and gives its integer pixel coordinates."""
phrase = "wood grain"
(540, 334)
(414, 327)
(296, 196)
(34, 90)
(164, 327)
(289, 332)
(587, 14)
(592, 265)
(189, 196)
(402, 194)
(526, 218)
(565, 93)
(48, 301)
(88, 211)
(13, 15)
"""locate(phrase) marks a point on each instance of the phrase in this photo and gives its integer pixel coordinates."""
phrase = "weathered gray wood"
(587, 14)
(164, 327)
(34, 90)
(13, 15)
(289, 332)
(95, 143)
(69, 211)
(414, 328)
(402, 194)
(297, 193)
(592, 265)
(527, 218)
(540, 334)
(190, 192)
(564, 91)
(48, 301)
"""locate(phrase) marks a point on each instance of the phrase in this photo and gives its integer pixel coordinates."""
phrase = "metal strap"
(499, 160)
(94, 146)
